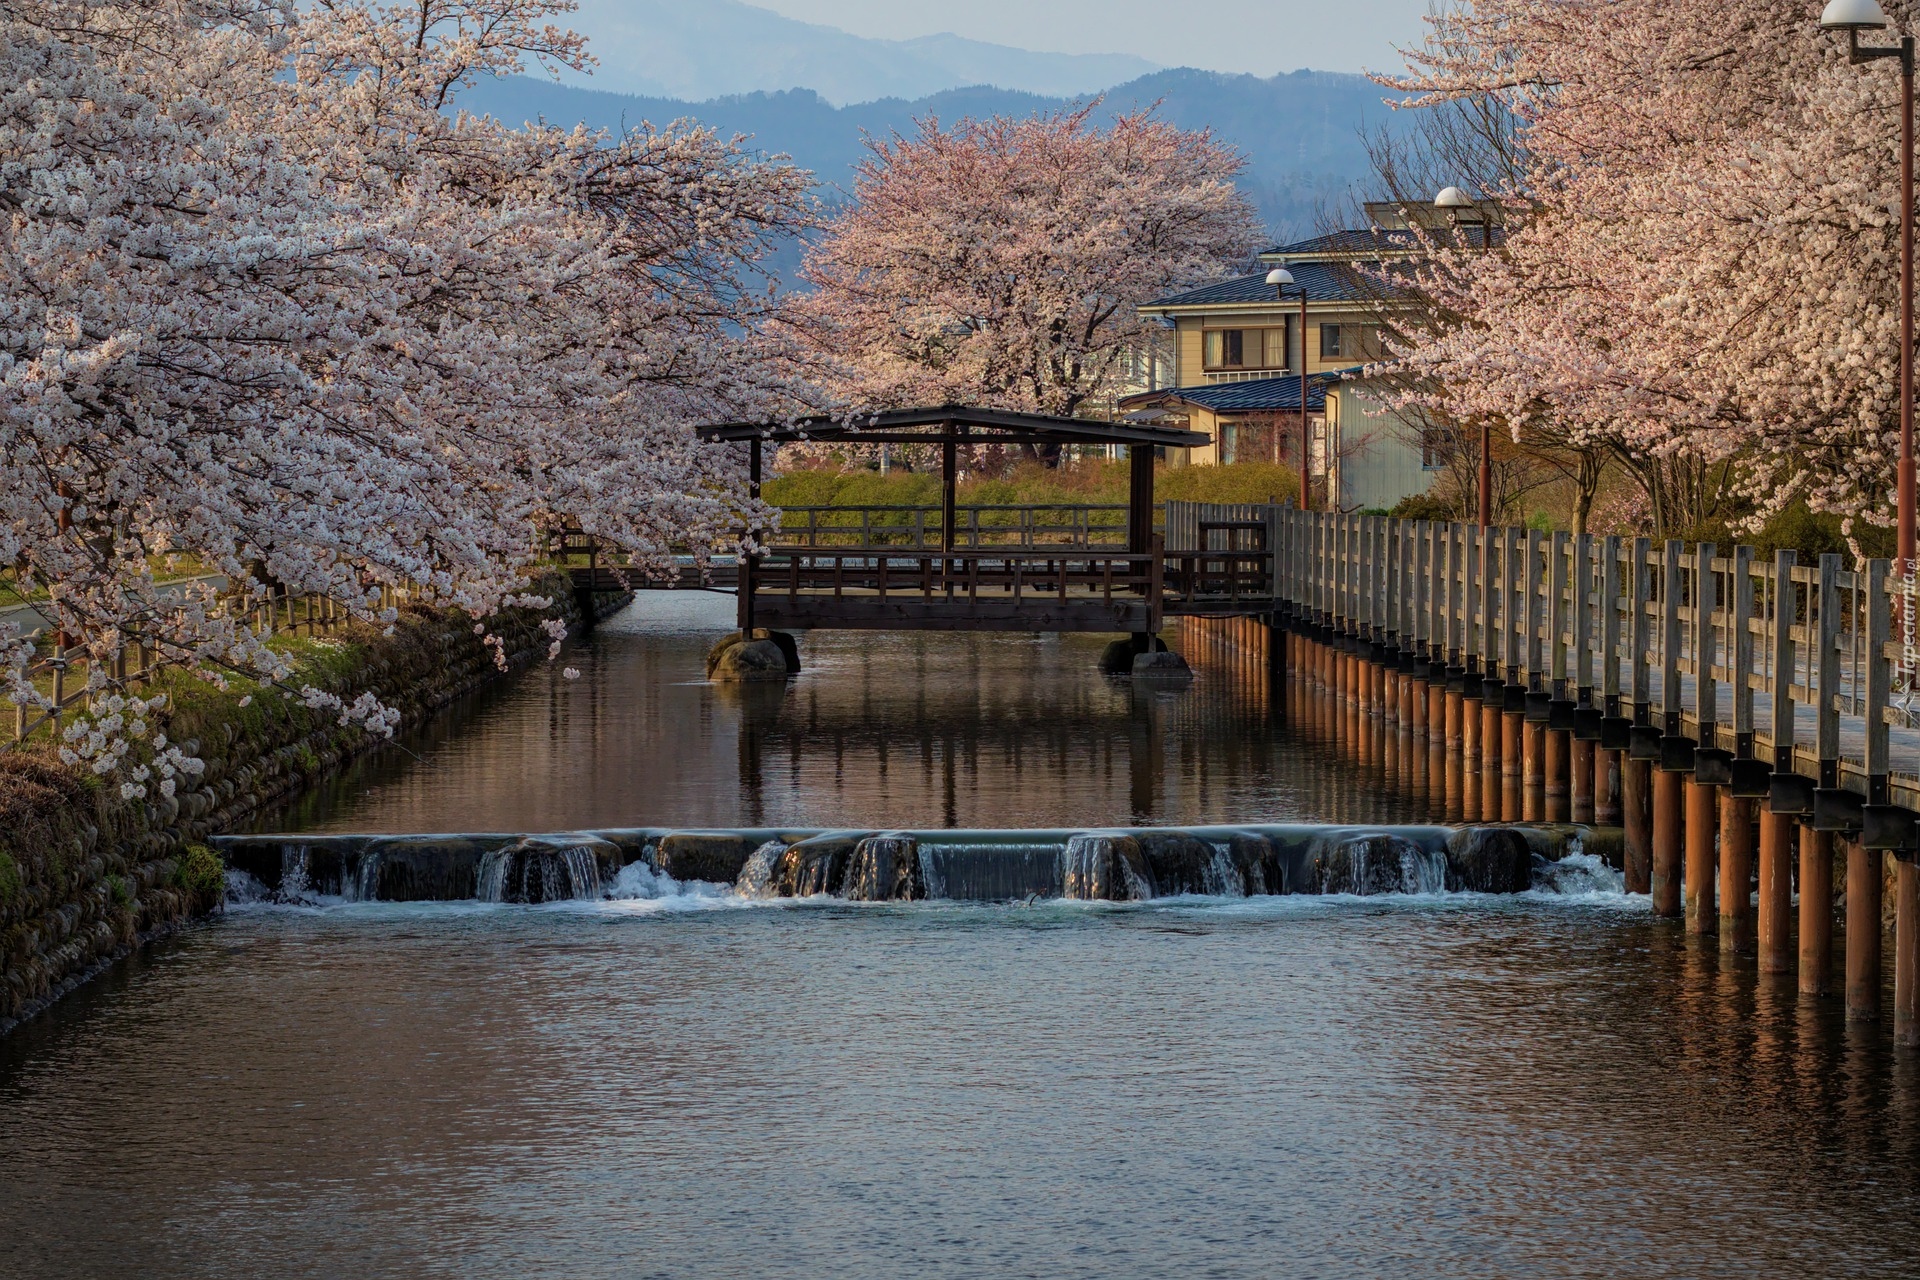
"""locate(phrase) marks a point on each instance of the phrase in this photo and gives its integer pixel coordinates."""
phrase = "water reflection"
(1294, 1087)
(906, 730)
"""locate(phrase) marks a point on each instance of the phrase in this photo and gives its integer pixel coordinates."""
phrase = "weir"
(1119, 865)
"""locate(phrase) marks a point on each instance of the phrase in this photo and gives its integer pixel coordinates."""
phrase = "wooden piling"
(1491, 768)
(1583, 809)
(1776, 892)
(1863, 933)
(1533, 768)
(1906, 955)
(1816, 911)
(1736, 872)
(1607, 810)
(1636, 815)
(1667, 837)
(1702, 820)
(1559, 796)
(1512, 732)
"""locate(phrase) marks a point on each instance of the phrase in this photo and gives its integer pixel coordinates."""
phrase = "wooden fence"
(1794, 665)
(1083, 526)
(73, 676)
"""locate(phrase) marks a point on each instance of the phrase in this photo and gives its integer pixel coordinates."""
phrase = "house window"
(1330, 342)
(1245, 348)
(1433, 448)
(1277, 345)
(1227, 348)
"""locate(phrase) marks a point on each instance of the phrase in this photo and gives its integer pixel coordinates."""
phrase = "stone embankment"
(86, 877)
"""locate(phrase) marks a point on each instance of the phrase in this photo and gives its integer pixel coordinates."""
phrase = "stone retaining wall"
(86, 877)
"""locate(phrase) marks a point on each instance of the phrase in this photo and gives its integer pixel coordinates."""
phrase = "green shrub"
(199, 872)
(1425, 506)
(120, 890)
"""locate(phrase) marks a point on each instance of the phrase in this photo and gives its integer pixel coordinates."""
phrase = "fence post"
(1706, 602)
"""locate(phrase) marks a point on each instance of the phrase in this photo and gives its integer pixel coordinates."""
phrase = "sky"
(1258, 36)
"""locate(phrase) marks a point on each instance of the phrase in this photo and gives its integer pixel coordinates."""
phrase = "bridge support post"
(749, 561)
(1816, 911)
(1863, 932)
(1906, 955)
(1636, 815)
(1668, 804)
(1702, 824)
(1736, 872)
(1776, 891)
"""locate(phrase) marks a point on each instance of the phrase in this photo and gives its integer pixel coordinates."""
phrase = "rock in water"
(1161, 665)
(1117, 658)
(788, 646)
(751, 660)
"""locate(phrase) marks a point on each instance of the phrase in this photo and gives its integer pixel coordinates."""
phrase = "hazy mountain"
(1300, 132)
(699, 49)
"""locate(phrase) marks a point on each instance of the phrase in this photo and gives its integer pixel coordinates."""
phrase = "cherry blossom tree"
(1002, 262)
(268, 300)
(1701, 263)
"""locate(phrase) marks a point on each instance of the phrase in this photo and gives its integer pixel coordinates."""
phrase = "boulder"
(788, 646)
(1162, 664)
(750, 660)
(1117, 658)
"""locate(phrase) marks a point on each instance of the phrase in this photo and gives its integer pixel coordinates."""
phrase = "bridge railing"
(1806, 668)
(1086, 526)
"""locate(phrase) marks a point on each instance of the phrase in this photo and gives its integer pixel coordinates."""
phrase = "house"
(1239, 349)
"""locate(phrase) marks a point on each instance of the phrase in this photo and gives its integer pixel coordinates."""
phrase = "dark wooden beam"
(1140, 500)
(749, 563)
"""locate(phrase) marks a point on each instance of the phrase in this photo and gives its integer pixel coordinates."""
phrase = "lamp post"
(1281, 278)
(1853, 17)
(1452, 200)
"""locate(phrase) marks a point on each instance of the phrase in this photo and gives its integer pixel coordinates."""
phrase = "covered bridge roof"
(956, 424)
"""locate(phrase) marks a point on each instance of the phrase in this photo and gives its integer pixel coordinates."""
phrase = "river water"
(680, 1082)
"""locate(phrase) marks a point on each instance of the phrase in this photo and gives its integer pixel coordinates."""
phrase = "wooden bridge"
(1019, 569)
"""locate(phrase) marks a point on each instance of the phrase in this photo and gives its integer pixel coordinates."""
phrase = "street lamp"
(1853, 17)
(1451, 200)
(1282, 279)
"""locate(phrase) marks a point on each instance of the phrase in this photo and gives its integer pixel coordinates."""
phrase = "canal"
(679, 1081)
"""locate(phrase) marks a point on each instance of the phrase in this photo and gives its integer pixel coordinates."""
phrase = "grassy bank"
(1091, 482)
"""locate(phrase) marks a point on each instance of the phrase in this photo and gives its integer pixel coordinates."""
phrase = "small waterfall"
(882, 870)
(1221, 876)
(535, 871)
(364, 885)
(1104, 867)
(756, 878)
(1139, 888)
(490, 880)
(1423, 870)
(1378, 863)
(991, 872)
(295, 870)
(1086, 868)
(930, 878)
(244, 890)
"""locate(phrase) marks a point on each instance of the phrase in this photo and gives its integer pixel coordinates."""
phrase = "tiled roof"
(1258, 395)
(1378, 240)
(1322, 281)
(1348, 242)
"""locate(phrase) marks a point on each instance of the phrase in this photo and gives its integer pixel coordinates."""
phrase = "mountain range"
(701, 49)
(1301, 132)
